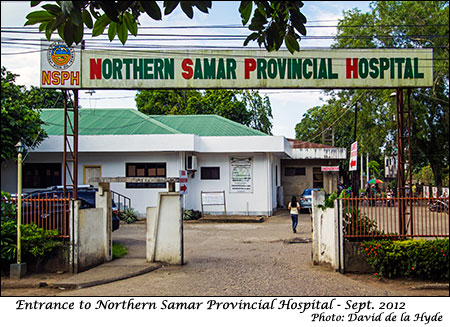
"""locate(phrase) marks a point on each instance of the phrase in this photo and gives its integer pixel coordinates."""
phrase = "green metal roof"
(133, 122)
(206, 125)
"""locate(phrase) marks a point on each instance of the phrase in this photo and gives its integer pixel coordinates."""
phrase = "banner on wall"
(241, 175)
(203, 69)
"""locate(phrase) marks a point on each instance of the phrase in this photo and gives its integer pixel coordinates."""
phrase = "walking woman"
(294, 208)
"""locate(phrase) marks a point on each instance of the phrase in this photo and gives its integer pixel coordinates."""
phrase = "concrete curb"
(24, 285)
(223, 220)
(79, 285)
(431, 287)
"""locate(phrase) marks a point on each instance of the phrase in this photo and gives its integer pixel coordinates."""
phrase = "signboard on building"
(146, 69)
(329, 168)
(60, 65)
(241, 175)
(354, 157)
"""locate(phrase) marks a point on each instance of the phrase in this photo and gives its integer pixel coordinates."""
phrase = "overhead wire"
(347, 110)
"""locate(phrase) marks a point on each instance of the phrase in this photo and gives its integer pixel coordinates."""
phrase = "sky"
(288, 106)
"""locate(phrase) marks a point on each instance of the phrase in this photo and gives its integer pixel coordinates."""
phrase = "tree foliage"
(391, 24)
(271, 22)
(245, 107)
(38, 98)
(19, 121)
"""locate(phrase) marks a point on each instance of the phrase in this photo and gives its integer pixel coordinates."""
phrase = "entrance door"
(91, 171)
(317, 177)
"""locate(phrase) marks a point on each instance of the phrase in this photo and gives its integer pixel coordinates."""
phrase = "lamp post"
(19, 270)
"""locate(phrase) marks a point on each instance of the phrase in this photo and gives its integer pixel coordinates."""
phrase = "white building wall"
(262, 201)
(113, 165)
(254, 203)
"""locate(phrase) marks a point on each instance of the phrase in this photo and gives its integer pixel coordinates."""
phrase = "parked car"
(306, 198)
(86, 194)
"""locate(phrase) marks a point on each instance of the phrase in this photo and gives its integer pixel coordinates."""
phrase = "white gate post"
(165, 230)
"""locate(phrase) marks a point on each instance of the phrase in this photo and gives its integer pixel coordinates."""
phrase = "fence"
(46, 213)
(395, 217)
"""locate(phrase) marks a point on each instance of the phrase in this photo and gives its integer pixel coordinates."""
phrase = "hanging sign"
(203, 69)
(354, 156)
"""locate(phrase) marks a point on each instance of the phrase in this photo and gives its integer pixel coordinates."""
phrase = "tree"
(272, 22)
(374, 169)
(393, 24)
(244, 107)
(38, 98)
(19, 121)
(260, 111)
(374, 130)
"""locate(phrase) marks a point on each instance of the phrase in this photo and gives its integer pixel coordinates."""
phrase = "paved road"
(247, 259)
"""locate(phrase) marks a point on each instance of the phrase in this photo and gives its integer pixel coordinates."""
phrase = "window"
(294, 171)
(144, 169)
(41, 175)
(210, 173)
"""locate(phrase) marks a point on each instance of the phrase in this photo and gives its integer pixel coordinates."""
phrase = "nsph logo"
(60, 66)
(60, 56)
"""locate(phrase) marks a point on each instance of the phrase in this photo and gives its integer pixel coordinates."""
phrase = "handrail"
(118, 202)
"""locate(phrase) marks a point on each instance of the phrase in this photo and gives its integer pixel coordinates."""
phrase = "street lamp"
(19, 270)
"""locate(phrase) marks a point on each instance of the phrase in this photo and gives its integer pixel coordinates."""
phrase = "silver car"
(306, 198)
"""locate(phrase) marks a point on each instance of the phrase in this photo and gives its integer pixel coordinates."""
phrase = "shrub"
(118, 250)
(329, 199)
(8, 242)
(36, 243)
(128, 215)
(8, 208)
(356, 223)
(424, 259)
(191, 215)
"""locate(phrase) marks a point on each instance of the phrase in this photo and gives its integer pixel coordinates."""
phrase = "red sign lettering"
(186, 66)
(249, 65)
(352, 68)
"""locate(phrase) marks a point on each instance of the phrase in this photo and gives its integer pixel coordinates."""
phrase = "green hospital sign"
(166, 69)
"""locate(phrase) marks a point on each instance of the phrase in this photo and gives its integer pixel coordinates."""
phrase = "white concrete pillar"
(103, 199)
(318, 198)
(164, 240)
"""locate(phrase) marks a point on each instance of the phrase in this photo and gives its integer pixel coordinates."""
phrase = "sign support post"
(355, 182)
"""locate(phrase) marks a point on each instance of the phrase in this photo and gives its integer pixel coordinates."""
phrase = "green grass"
(118, 250)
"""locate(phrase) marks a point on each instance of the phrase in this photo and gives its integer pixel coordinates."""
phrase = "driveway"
(245, 259)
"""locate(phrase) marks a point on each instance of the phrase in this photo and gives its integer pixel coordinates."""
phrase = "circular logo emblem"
(60, 56)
